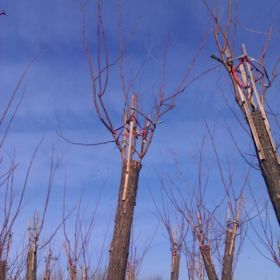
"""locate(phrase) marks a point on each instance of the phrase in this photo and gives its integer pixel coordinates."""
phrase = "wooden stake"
(260, 104)
(124, 143)
(247, 112)
(234, 232)
(130, 145)
(248, 88)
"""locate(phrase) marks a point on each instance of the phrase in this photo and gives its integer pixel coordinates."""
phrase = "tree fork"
(119, 249)
(231, 231)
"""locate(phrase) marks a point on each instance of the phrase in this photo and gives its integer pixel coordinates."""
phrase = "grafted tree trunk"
(208, 264)
(175, 265)
(123, 221)
(231, 232)
(31, 265)
(269, 165)
(73, 272)
(3, 269)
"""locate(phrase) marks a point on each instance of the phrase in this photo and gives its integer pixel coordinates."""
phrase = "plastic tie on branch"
(144, 133)
(174, 252)
(256, 66)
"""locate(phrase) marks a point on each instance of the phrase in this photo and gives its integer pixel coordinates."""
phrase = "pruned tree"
(11, 207)
(175, 226)
(209, 233)
(133, 132)
(50, 261)
(250, 82)
(137, 255)
(36, 227)
(78, 256)
(218, 243)
(73, 248)
(194, 260)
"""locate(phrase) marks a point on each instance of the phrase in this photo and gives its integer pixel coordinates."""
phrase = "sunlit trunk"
(231, 232)
(123, 221)
(31, 265)
(208, 264)
(175, 267)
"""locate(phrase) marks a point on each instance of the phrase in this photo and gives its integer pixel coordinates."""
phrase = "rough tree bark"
(269, 165)
(208, 264)
(3, 268)
(31, 265)
(123, 221)
(175, 265)
(231, 231)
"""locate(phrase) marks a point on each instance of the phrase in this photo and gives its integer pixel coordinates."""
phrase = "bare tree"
(77, 247)
(50, 260)
(250, 83)
(10, 209)
(194, 260)
(36, 228)
(132, 134)
(217, 241)
(136, 256)
(209, 232)
(176, 228)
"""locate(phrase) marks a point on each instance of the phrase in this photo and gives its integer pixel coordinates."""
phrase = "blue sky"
(58, 92)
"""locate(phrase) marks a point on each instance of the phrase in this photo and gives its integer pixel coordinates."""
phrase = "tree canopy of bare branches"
(134, 133)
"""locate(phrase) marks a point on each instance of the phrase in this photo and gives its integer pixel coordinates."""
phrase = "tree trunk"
(269, 165)
(31, 265)
(73, 272)
(231, 232)
(175, 266)
(47, 274)
(84, 274)
(3, 269)
(208, 264)
(123, 221)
